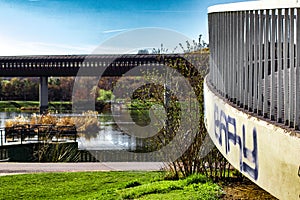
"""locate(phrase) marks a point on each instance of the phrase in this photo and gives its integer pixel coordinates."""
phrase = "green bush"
(105, 95)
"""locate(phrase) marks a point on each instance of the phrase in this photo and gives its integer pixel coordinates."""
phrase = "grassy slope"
(105, 185)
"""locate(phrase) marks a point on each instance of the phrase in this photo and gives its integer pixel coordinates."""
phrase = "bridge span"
(69, 65)
(44, 66)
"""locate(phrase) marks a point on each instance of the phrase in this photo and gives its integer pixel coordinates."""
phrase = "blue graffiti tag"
(251, 155)
(225, 124)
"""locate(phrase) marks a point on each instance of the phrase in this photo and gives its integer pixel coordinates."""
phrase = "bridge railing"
(255, 58)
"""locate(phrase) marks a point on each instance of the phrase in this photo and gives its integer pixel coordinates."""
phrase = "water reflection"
(10, 115)
(109, 137)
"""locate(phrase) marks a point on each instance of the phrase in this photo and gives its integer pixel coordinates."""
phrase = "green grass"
(105, 185)
(17, 105)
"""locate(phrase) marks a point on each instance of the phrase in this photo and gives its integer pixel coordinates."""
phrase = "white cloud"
(114, 30)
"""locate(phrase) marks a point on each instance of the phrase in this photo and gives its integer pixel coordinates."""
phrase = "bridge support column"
(43, 95)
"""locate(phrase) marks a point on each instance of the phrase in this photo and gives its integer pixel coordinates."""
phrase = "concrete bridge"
(69, 65)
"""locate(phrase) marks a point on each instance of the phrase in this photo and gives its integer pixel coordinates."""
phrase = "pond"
(109, 136)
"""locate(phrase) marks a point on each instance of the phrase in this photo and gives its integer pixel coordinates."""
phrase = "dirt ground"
(242, 190)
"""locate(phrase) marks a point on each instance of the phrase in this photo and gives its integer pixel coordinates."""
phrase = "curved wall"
(267, 154)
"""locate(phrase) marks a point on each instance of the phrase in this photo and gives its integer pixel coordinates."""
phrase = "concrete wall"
(267, 154)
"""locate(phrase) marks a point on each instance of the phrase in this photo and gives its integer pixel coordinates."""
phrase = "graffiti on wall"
(226, 129)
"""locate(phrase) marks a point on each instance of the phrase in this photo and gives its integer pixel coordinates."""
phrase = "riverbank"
(66, 106)
(33, 106)
(19, 106)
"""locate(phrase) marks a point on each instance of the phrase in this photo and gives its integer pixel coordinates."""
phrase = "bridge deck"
(69, 65)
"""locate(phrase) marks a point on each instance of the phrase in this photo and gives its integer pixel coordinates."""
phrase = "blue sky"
(78, 26)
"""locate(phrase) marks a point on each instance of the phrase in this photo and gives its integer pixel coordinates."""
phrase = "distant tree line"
(59, 88)
(19, 89)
